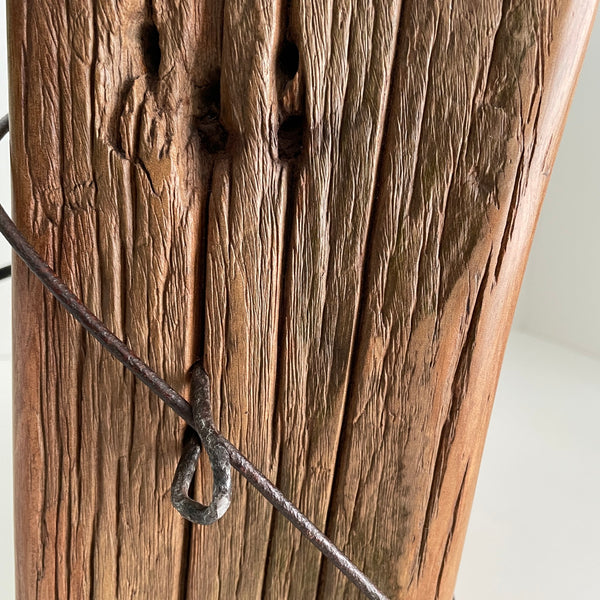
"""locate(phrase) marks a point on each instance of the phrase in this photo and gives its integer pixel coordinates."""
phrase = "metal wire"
(171, 398)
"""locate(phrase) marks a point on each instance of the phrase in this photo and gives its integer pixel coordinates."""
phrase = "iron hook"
(217, 453)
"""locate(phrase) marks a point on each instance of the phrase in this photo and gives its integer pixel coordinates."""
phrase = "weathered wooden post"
(331, 203)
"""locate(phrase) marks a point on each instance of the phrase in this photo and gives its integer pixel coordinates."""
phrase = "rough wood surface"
(332, 204)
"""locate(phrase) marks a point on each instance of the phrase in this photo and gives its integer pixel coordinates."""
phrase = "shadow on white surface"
(7, 562)
(534, 527)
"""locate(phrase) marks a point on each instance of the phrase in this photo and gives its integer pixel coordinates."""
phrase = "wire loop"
(217, 454)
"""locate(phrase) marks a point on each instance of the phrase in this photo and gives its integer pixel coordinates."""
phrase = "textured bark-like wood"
(332, 204)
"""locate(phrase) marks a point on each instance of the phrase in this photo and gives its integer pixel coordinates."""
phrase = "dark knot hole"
(150, 40)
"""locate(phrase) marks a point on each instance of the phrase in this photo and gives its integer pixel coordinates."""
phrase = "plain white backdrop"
(534, 528)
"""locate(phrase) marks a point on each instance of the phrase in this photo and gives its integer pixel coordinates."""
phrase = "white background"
(534, 528)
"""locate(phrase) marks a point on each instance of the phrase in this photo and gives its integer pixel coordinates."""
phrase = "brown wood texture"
(332, 203)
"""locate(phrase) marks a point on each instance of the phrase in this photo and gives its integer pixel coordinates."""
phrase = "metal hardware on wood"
(217, 453)
(171, 398)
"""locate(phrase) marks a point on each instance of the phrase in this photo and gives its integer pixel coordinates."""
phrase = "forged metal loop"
(123, 353)
(217, 454)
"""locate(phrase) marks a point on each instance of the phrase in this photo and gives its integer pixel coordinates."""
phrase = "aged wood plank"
(244, 256)
(347, 50)
(332, 203)
(110, 180)
(467, 157)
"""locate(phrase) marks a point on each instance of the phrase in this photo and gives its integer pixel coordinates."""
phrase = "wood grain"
(332, 203)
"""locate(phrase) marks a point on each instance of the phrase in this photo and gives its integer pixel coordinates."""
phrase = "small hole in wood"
(213, 134)
(290, 137)
(210, 93)
(150, 41)
(288, 59)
